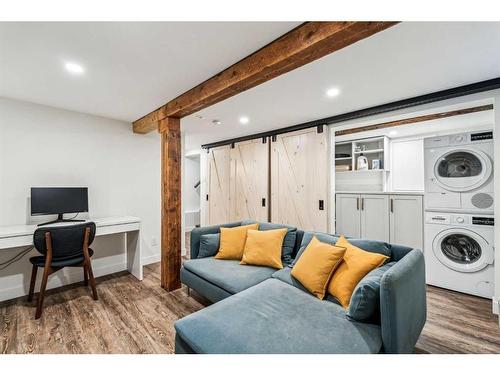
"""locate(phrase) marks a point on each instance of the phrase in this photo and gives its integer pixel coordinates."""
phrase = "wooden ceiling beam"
(302, 45)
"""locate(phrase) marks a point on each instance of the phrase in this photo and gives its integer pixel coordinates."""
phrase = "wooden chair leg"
(85, 275)
(92, 280)
(46, 273)
(32, 283)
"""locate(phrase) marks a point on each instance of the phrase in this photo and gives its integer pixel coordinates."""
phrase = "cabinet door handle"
(321, 205)
(263, 202)
(392, 205)
(362, 204)
(357, 203)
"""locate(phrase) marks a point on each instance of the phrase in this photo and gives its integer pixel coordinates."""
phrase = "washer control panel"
(458, 219)
(458, 139)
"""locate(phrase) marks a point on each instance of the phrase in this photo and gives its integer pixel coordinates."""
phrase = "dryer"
(459, 252)
(459, 173)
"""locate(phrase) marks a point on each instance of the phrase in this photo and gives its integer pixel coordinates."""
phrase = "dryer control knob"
(459, 219)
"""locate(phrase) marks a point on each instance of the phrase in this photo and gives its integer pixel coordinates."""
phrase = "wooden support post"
(170, 132)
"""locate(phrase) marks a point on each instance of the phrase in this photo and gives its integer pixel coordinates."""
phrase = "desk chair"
(62, 246)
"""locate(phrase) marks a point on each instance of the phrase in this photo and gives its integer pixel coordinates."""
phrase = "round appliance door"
(462, 170)
(462, 250)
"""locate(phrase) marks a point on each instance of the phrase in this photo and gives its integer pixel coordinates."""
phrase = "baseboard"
(151, 259)
(495, 306)
(61, 278)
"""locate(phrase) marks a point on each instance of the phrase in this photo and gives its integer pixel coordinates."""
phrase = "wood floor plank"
(138, 317)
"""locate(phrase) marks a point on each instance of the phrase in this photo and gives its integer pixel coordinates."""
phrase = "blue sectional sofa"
(263, 310)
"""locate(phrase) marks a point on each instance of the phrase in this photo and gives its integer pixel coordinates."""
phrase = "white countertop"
(28, 229)
(380, 192)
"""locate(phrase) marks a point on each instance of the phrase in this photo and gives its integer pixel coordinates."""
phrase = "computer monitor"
(59, 200)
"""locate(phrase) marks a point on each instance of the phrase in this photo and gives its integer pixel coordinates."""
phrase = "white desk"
(22, 235)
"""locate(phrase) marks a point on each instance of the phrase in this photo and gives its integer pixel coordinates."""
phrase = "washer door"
(462, 170)
(462, 250)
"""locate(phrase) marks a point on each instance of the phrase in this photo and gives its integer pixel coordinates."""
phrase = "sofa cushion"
(365, 300)
(209, 245)
(232, 241)
(357, 264)
(229, 275)
(308, 236)
(274, 317)
(316, 266)
(208, 290)
(285, 275)
(368, 245)
(263, 248)
(288, 243)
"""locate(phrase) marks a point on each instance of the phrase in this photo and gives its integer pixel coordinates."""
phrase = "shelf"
(345, 158)
(369, 151)
(366, 171)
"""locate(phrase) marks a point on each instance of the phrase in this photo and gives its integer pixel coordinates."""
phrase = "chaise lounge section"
(262, 310)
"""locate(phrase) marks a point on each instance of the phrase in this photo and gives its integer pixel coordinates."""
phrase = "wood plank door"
(249, 194)
(375, 217)
(299, 179)
(219, 176)
(348, 215)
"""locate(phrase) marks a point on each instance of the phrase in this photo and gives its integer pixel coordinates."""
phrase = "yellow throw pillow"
(356, 265)
(263, 248)
(316, 265)
(232, 241)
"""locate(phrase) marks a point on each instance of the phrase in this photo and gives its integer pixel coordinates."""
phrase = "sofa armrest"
(403, 306)
(196, 233)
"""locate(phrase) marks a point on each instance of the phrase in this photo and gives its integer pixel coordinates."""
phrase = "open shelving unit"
(347, 153)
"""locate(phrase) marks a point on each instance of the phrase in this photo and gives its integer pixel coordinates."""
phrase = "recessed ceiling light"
(333, 92)
(216, 122)
(244, 120)
(74, 68)
(393, 132)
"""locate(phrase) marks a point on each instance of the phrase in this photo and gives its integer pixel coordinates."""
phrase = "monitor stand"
(61, 220)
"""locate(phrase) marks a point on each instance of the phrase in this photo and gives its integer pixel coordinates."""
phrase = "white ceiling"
(404, 61)
(131, 67)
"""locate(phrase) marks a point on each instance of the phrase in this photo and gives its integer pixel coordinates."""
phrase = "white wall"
(192, 170)
(44, 146)
(496, 180)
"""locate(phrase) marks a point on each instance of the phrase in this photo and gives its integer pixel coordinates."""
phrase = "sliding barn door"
(250, 180)
(218, 185)
(299, 179)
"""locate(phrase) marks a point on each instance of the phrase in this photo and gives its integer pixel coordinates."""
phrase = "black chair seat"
(60, 262)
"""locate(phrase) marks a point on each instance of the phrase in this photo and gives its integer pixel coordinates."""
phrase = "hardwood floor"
(138, 317)
(458, 323)
(130, 317)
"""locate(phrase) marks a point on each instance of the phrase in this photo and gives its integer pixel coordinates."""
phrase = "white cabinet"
(348, 216)
(374, 217)
(391, 218)
(406, 220)
(407, 165)
(362, 216)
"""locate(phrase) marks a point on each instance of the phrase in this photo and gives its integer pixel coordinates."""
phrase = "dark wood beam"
(412, 120)
(304, 44)
(170, 132)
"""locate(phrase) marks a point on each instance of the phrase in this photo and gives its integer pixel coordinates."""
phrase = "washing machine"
(459, 252)
(459, 173)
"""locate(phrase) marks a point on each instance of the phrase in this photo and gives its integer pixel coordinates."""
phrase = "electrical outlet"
(154, 241)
